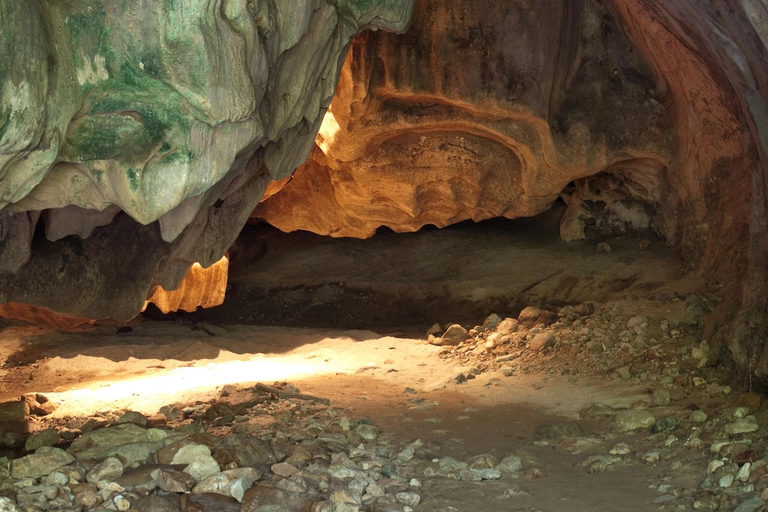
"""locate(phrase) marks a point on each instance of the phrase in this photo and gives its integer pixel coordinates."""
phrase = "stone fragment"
(555, 431)
(410, 499)
(661, 397)
(284, 469)
(455, 335)
(170, 480)
(529, 315)
(750, 505)
(244, 451)
(104, 442)
(752, 401)
(624, 372)
(492, 322)
(188, 453)
(109, 469)
(47, 437)
(620, 449)
(597, 411)
(511, 464)
(8, 505)
(133, 417)
(741, 426)
(202, 466)
(541, 341)
(634, 420)
(43, 462)
(698, 416)
(368, 432)
(603, 248)
(507, 326)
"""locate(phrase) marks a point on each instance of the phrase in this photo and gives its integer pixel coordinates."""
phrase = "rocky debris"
(47, 437)
(311, 457)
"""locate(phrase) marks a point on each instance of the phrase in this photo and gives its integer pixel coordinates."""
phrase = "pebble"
(698, 416)
(661, 397)
(410, 499)
(634, 420)
(741, 426)
(620, 449)
(541, 341)
(454, 336)
(109, 469)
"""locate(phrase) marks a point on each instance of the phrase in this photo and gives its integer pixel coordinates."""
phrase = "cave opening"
(486, 255)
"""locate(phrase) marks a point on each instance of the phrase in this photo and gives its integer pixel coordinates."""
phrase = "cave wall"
(487, 109)
(144, 133)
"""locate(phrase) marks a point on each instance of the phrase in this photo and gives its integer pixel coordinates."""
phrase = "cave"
(383, 255)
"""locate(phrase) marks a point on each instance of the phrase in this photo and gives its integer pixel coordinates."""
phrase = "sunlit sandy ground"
(162, 363)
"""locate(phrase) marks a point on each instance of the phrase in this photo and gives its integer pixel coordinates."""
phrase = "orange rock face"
(41, 316)
(483, 109)
(201, 287)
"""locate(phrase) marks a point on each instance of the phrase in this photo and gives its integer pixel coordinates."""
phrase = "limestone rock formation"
(163, 122)
(484, 109)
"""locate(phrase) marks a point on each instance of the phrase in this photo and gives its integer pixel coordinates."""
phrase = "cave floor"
(637, 351)
(459, 401)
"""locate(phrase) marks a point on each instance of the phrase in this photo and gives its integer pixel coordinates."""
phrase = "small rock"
(455, 335)
(47, 437)
(741, 426)
(8, 505)
(624, 372)
(368, 432)
(529, 315)
(752, 401)
(603, 248)
(751, 505)
(109, 470)
(661, 397)
(620, 449)
(597, 411)
(410, 499)
(511, 464)
(541, 341)
(435, 330)
(698, 416)
(492, 322)
(284, 469)
(634, 420)
(43, 462)
(133, 417)
(202, 467)
(16, 411)
(507, 326)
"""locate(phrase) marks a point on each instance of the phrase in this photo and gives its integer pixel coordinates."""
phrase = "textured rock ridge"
(163, 122)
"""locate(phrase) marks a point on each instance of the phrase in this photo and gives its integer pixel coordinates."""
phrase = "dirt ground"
(400, 382)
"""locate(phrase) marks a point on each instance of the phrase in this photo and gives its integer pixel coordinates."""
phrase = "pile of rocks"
(614, 339)
(252, 451)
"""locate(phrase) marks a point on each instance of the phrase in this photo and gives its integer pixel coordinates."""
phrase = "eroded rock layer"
(161, 122)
